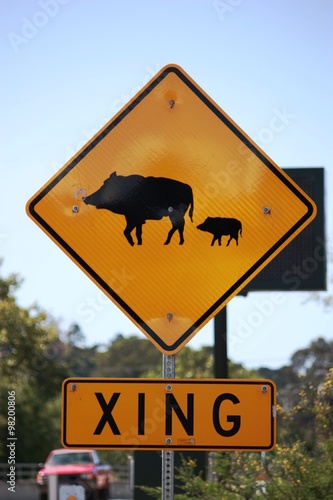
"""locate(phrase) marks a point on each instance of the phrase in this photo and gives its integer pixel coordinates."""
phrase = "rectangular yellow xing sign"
(171, 209)
(177, 414)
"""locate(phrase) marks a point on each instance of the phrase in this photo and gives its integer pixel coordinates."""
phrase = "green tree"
(297, 388)
(294, 470)
(128, 357)
(30, 369)
(81, 361)
(74, 335)
(290, 472)
(199, 363)
(313, 362)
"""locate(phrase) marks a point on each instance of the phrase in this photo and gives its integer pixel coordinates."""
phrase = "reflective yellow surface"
(175, 131)
(169, 413)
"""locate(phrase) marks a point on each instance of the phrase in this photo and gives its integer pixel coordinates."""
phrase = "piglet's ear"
(114, 174)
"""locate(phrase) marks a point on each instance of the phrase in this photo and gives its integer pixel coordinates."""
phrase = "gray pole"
(168, 455)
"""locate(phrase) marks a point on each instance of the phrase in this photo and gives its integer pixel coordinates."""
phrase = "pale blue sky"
(69, 65)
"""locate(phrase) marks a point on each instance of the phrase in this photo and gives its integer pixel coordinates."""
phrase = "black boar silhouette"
(144, 198)
(222, 226)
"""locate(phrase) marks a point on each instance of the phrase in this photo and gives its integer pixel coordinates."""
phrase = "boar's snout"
(87, 200)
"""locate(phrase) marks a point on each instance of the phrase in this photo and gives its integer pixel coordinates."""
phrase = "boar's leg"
(170, 234)
(178, 223)
(217, 238)
(233, 237)
(138, 232)
(128, 229)
(131, 224)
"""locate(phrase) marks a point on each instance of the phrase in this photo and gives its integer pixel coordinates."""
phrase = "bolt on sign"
(171, 209)
(175, 414)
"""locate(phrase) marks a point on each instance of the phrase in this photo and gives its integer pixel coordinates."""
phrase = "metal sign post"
(168, 455)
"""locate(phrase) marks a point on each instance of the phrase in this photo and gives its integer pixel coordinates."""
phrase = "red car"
(79, 467)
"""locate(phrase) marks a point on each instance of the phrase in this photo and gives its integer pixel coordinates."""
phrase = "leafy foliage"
(127, 357)
(291, 471)
(30, 367)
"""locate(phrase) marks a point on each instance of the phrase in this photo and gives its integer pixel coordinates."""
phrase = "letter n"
(187, 422)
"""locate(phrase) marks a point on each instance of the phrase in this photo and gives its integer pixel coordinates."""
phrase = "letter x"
(107, 410)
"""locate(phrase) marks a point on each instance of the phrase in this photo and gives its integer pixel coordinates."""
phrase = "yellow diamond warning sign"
(171, 209)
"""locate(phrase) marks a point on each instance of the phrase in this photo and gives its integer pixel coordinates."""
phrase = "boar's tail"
(240, 229)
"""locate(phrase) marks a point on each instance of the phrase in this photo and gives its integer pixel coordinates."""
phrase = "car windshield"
(71, 458)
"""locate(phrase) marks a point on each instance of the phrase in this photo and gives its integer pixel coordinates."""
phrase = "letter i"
(141, 414)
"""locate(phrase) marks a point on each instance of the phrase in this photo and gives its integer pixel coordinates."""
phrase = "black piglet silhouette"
(222, 226)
